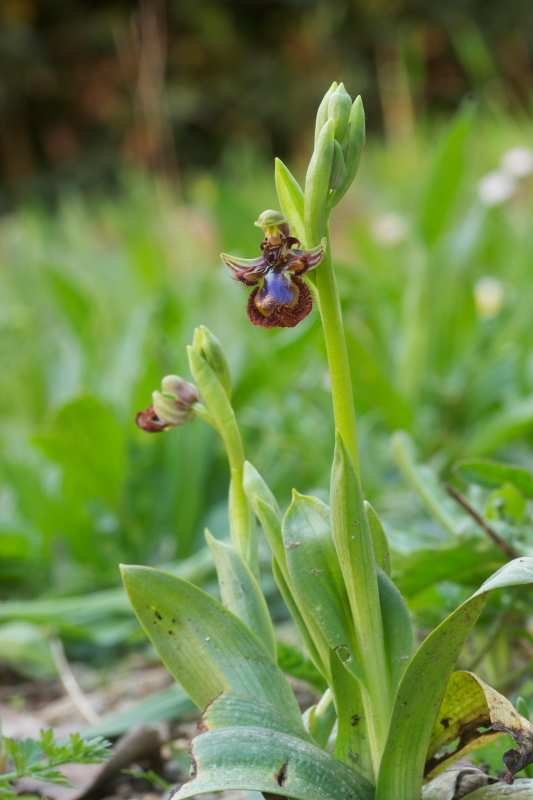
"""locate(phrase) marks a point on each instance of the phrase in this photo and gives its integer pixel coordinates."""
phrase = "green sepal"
(339, 108)
(291, 199)
(241, 592)
(323, 110)
(338, 167)
(317, 185)
(353, 149)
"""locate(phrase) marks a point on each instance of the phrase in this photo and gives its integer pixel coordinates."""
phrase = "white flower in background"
(518, 162)
(496, 188)
(390, 229)
(488, 295)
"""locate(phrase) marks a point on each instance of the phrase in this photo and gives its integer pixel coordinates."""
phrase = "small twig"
(497, 539)
(70, 684)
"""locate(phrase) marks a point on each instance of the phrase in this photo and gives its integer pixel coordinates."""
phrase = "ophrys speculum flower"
(281, 298)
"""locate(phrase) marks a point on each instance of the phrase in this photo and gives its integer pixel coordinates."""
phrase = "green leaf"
(86, 440)
(205, 647)
(352, 745)
(168, 704)
(416, 711)
(317, 186)
(269, 515)
(379, 540)
(353, 542)
(484, 472)
(355, 138)
(257, 759)
(291, 199)
(316, 575)
(232, 709)
(397, 628)
(312, 638)
(497, 428)
(241, 592)
(445, 179)
(292, 661)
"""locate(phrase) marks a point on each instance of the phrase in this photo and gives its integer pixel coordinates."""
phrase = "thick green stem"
(339, 366)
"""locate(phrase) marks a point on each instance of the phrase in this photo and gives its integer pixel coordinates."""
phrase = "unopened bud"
(339, 108)
(322, 113)
(210, 349)
(338, 167)
(170, 408)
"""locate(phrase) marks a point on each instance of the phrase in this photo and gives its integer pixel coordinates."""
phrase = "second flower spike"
(281, 298)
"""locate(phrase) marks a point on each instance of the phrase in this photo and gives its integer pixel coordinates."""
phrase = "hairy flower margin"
(281, 298)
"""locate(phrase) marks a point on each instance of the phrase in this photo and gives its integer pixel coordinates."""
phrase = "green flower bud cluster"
(339, 142)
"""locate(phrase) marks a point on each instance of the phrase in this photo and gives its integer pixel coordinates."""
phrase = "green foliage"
(41, 758)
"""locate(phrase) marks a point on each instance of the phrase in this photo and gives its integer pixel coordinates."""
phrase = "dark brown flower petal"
(149, 421)
(280, 315)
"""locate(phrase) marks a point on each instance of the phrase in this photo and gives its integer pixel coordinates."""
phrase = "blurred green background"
(136, 143)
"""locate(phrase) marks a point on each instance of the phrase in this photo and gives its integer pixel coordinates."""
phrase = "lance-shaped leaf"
(492, 474)
(241, 592)
(353, 542)
(468, 705)
(258, 759)
(379, 539)
(314, 641)
(415, 712)
(316, 575)
(269, 515)
(291, 199)
(205, 647)
(397, 628)
(352, 745)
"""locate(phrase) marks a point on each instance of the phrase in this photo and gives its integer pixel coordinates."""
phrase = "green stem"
(219, 413)
(339, 366)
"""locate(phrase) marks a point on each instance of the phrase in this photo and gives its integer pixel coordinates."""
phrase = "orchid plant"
(394, 717)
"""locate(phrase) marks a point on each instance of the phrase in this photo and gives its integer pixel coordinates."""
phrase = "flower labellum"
(171, 407)
(281, 298)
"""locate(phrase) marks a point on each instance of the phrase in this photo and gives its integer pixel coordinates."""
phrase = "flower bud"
(338, 167)
(171, 408)
(339, 108)
(322, 113)
(211, 350)
(273, 223)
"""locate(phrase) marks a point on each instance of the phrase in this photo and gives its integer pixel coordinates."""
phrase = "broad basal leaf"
(205, 647)
(231, 709)
(257, 759)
